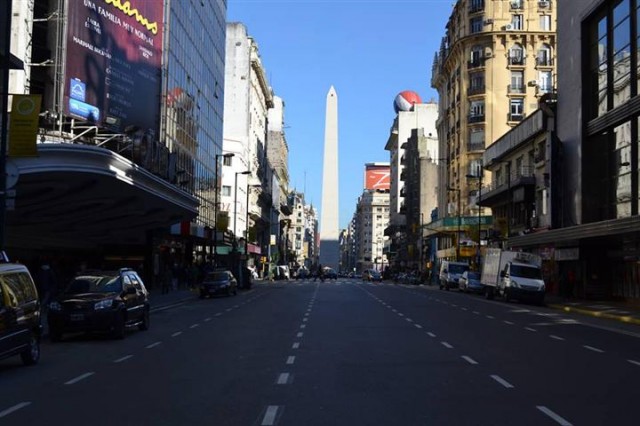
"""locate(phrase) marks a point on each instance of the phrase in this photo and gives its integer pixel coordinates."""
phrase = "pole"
(479, 213)
(246, 231)
(509, 201)
(235, 204)
(459, 220)
(215, 214)
(5, 25)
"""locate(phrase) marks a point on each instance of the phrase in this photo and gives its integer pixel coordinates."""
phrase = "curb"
(597, 314)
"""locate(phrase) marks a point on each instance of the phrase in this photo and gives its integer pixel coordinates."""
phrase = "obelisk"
(329, 223)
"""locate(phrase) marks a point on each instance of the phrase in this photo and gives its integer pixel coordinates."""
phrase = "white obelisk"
(329, 223)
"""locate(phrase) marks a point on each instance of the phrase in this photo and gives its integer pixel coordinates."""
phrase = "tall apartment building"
(423, 118)
(495, 62)
(373, 218)
(248, 99)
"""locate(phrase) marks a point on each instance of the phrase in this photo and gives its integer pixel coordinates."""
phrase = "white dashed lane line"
(291, 360)
(553, 415)
(591, 348)
(79, 378)
(431, 334)
(124, 358)
(502, 381)
(469, 360)
(296, 345)
(418, 325)
(270, 416)
(176, 334)
(153, 345)
(300, 334)
(446, 345)
(553, 336)
(194, 325)
(13, 409)
(530, 329)
(508, 322)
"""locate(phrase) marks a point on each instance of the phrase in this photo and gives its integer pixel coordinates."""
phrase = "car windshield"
(216, 276)
(94, 284)
(457, 269)
(526, 272)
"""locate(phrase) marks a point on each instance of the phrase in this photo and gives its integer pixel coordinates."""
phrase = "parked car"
(221, 281)
(303, 273)
(469, 281)
(450, 272)
(20, 324)
(100, 301)
(372, 275)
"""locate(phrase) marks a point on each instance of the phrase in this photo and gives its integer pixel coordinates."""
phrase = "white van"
(450, 272)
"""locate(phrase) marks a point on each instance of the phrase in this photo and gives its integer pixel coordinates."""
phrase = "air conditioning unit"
(543, 3)
(488, 22)
(487, 52)
(508, 27)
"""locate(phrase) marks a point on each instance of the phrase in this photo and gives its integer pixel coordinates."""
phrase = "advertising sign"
(23, 125)
(377, 177)
(114, 52)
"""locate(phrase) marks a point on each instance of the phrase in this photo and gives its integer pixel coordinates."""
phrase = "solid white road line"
(502, 381)
(124, 358)
(469, 360)
(14, 408)
(553, 415)
(446, 345)
(283, 379)
(153, 345)
(591, 348)
(270, 416)
(291, 360)
(296, 345)
(80, 377)
(553, 336)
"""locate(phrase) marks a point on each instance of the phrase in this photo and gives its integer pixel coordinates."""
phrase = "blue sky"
(368, 50)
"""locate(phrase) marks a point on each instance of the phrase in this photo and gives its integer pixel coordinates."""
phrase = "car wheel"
(31, 355)
(144, 325)
(120, 327)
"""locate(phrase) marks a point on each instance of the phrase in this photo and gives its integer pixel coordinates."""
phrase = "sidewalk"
(159, 301)
(626, 312)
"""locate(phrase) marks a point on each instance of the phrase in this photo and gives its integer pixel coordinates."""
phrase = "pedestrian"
(46, 283)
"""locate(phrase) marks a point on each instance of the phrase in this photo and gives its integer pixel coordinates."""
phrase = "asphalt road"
(336, 353)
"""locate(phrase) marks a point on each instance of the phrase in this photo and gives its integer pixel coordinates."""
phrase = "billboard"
(377, 177)
(114, 54)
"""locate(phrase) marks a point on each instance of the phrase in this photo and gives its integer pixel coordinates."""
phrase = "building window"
(477, 57)
(476, 83)
(543, 57)
(545, 23)
(545, 82)
(476, 111)
(226, 191)
(516, 110)
(476, 24)
(476, 139)
(517, 4)
(517, 82)
(516, 22)
(516, 55)
(476, 6)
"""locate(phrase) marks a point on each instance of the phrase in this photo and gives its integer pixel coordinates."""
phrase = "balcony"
(476, 118)
(544, 62)
(475, 146)
(516, 88)
(476, 90)
(476, 6)
(517, 60)
(520, 177)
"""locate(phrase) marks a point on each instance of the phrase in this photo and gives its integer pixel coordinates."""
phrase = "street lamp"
(235, 200)
(215, 208)
(459, 219)
(479, 177)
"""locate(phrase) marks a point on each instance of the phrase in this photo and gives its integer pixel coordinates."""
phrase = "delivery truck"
(512, 275)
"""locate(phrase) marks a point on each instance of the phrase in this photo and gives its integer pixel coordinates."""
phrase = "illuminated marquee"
(131, 11)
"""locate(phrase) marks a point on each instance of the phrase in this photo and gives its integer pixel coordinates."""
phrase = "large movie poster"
(377, 177)
(114, 54)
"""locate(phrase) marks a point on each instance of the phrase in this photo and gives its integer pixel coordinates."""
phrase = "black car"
(219, 282)
(100, 301)
(20, 326)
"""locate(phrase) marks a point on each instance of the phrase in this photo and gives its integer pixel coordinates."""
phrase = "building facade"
(373, 218)
(496, 60)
